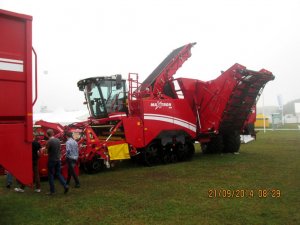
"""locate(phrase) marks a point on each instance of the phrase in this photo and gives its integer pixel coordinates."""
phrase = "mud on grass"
(176, 193)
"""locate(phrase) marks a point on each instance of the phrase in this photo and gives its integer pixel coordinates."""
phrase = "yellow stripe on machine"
(118, 152)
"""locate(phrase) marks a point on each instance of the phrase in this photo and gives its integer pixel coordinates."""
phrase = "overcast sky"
(76, 39)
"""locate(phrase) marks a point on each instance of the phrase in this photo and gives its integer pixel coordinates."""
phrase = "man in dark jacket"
(35, 167)
(53, 149)
(35, 163)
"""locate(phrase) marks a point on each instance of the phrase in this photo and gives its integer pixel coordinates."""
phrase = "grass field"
(258, 186)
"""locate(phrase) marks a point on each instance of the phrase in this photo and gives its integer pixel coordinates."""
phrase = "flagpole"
(282, 117)
(264, 117)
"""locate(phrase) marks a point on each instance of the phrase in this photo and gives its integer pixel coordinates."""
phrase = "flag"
(280, 102)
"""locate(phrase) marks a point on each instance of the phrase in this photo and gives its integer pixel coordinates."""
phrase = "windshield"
(105, 96)
(95, 101)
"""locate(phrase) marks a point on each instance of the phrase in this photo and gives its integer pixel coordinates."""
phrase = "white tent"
(61, 116)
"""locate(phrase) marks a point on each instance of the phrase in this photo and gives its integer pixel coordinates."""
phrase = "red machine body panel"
(225, 103)
(167, 115)
(136, 137)
(16, 94)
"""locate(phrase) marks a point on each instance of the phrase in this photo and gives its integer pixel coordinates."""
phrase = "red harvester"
(159, 119)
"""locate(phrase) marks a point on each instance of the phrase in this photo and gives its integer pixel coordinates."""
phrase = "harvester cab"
(106, 100)
(104, 95)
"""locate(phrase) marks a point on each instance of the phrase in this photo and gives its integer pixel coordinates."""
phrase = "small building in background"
(297, 111)
(277, 120)
(290, 118)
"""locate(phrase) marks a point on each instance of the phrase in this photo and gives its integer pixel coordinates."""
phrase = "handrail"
(36, 77)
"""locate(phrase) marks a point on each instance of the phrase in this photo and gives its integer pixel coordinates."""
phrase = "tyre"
(166, 154)
(180, 152)
(232, 142)
(216, 145)
(95, 165)
(189, 149)
(151, 154)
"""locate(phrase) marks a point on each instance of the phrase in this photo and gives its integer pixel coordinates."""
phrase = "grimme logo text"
(159, 105)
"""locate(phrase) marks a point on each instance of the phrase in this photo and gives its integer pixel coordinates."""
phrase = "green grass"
(176, 193)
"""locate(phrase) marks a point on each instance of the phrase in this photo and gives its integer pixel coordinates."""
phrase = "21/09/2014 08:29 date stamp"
(244, 193)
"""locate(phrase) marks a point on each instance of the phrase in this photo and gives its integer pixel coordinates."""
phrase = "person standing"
(53, 149)
(72, 157)
(9, 182)
(9, 179)
(35, 168)
(35, 163)
(21, 187)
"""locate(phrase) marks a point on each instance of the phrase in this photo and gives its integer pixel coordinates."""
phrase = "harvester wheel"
(185, 151)
(94, 166)
(181, 152)
(166, 156)
(232, 142)
(204, 148)
(216, 145)
(173, 155)
(151, 154)
(189, 149)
